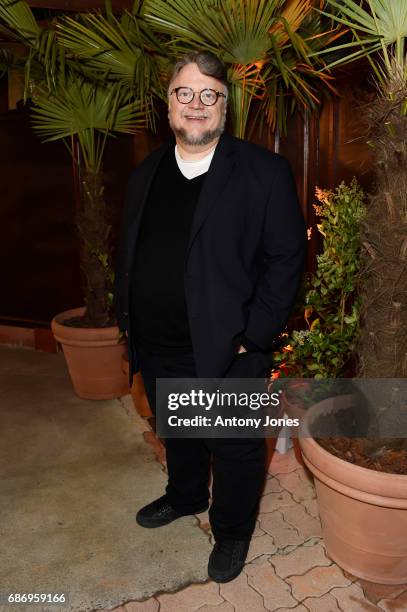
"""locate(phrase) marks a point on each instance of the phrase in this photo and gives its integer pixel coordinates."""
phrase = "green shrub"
(322, 349)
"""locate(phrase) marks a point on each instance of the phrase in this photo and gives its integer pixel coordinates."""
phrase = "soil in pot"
(367, 432)
(383, 456)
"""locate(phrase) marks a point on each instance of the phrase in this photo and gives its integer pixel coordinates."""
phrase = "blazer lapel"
(214, 185)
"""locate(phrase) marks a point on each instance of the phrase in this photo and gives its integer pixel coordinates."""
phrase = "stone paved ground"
(287, 568)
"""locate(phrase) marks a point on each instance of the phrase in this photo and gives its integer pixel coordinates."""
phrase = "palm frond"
(253, 38)
(7, 61)
(381, 26)
(238, 31)
(18, 20)
(114, 49)
(85, 110)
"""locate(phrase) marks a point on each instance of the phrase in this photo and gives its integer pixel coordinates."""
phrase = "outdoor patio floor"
(287, 567)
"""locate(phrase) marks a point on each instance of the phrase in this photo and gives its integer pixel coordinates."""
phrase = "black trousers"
(238, 465)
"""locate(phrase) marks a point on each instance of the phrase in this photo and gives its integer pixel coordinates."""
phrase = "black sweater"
(158, 306)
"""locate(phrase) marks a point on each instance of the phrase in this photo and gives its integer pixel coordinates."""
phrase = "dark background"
(39, 265)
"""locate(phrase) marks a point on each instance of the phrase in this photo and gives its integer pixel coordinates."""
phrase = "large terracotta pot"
(93, 357)
(363, 512)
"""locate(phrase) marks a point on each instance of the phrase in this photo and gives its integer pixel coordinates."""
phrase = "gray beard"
(204, 139)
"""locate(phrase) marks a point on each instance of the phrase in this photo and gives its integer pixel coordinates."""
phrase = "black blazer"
(245, 255)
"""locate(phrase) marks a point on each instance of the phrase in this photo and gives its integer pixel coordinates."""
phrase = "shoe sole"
(228, 578)
(150, 524)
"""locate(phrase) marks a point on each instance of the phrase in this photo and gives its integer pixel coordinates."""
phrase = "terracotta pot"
(137, 390)
(363, 512)
(294, 410)
(93, 357)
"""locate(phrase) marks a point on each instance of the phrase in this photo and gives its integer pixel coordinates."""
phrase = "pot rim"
(360, 478)
(72, 335)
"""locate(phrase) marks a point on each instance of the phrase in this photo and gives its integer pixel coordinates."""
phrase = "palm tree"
(124, 51)
(379, 30)
(269, 46)
(77, 110)
(68, 106)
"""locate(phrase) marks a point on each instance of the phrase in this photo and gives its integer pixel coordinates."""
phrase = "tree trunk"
(383, 341)
(94, 233)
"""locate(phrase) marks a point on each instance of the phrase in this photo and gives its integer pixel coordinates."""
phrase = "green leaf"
(91, 112)
(267, 45)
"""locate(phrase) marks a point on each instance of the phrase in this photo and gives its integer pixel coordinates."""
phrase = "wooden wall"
(39, 266)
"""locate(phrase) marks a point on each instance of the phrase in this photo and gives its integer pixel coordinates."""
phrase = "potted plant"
(361, 482)
(89, 335)
(76, 102)
(322, 348)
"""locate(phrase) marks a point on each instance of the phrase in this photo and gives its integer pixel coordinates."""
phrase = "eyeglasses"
(208, 97)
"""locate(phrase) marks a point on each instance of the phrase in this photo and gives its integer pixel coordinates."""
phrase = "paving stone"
(262, 560)
(272, 485)
(326, 603)
(307, 525)
(317, 582)
(375, 592)
(299, 608)
(242, 596)
(347, 575)
(313, 541)
(311, 505)
(352, 599)
(158, 448)
(263, 545)
(394, 605)
(282, 532)
(299, 489)
(141, 423)
(258, 531)
(223, 607)
(283, 463)
(150, 605)
(276, 593)
(305, 475)
(190, 598)
(299, 561)
(275, 501)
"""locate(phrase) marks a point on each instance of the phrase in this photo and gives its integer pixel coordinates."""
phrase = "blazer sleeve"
(284, 250)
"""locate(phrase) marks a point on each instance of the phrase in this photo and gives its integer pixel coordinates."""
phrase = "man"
(209, 263)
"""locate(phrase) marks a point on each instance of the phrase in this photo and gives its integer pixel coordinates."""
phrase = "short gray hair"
(208, 64)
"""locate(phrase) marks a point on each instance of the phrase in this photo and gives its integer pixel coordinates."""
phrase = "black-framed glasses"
(208, 97)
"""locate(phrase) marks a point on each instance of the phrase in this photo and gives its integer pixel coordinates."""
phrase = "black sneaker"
(227, 559)
(160, 512)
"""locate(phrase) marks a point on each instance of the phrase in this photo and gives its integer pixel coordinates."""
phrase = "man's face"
(194, 123)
